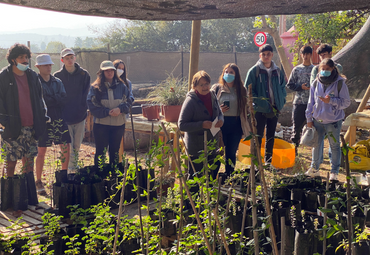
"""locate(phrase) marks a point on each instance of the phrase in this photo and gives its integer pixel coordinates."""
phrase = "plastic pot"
(57, 189)
(310, 201)
(172, 112)
(97, 193)
(296, 194)
(67, 197)
(20, 193)
(128, 247)
(82, 194)
(169, 228)
(361, 248)
(31, 189)
(6, 193)
(60, 176)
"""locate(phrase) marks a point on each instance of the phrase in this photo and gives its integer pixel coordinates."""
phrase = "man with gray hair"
(76, 81)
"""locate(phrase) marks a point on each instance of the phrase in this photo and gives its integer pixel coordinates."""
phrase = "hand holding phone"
(227, 103)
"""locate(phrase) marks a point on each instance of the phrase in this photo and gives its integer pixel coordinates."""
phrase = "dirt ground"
(87, 152)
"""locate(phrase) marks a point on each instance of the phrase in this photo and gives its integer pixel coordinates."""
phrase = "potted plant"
(171, 93)
(166, 182)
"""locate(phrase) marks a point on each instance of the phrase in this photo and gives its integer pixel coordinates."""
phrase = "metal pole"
(194, 50)
(235, 58)
(182, 62)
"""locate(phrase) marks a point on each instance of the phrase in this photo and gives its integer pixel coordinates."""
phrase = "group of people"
(38, 110)
(320, 99)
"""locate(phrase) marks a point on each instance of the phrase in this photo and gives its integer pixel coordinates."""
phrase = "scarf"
(207, 101)
(330, 79)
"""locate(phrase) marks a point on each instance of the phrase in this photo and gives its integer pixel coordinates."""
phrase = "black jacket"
(55, 97)
(9, 104)
(77, 87)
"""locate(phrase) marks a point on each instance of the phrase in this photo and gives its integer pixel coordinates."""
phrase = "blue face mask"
(229, 77)
(325, 73)
(22, 67)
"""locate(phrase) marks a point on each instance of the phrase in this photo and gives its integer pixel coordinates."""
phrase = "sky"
(20, 18)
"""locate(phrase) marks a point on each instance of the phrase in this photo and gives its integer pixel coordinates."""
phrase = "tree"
(217, 35)
(270, 26)
(54, 47)
(335, 28)
(35, 48)
(78, 42)
(221, 35)
(43, 46)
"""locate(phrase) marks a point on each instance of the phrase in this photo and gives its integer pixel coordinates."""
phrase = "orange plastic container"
(283, 155)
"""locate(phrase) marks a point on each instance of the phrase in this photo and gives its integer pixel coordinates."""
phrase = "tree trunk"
(355, 59)
(279, 46)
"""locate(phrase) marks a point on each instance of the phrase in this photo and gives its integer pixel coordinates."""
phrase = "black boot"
(31, 188)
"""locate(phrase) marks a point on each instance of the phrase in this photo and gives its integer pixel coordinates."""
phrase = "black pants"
(231, 135)
(270, 124)
(299, 119)
(198, 167)
(107, 137)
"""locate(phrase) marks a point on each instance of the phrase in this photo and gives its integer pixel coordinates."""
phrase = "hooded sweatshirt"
(334, 110)
(77, 87)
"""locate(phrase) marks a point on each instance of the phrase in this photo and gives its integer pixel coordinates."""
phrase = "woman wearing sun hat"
(109, 102)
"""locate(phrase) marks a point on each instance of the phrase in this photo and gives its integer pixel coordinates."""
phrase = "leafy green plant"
(171, 91)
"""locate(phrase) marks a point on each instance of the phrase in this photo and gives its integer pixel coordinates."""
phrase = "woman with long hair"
(199, 110)
(232, 97)
(329, 97)
(109, 102)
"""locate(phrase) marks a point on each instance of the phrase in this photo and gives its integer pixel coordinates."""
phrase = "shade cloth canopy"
(189, 9)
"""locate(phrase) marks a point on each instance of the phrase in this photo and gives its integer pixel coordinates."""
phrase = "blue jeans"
(332, 131)
(77, 133)
(231, 134)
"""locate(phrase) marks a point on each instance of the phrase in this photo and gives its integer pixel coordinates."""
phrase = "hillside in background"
(45, 35)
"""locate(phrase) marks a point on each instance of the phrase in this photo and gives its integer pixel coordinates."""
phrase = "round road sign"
(260, 39)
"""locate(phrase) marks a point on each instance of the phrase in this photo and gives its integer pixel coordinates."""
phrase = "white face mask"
(119, 72)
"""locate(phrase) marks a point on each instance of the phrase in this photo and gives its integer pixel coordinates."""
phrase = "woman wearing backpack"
(329, 97)
(232, 97)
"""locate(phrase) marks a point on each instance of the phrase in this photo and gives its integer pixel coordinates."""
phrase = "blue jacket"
(113, 95)
(257, 76)
(55, 97)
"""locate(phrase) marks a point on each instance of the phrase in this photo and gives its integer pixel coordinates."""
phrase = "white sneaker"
(312, 172)
(333, 177)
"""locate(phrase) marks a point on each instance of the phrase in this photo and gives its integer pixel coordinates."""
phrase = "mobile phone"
(227, 103)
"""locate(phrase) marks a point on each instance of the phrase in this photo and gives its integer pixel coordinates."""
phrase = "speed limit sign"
(260, 39)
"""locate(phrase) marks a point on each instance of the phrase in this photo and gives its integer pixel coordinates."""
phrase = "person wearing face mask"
(121, 72)
(109, 102)
(232, 97)
(198, 111)
(329, 97)
(22, 114)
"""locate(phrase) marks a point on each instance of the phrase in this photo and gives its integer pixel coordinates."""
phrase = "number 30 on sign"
(260, 39)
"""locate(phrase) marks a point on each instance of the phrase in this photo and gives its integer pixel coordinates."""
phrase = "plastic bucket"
(283, 155)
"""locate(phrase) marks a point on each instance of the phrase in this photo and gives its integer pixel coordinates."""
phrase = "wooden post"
(350, 135)
(182, 62)
(194, 50)
(29, 46)
(325, 214)
(349, 198)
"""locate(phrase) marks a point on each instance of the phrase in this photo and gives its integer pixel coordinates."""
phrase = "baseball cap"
(43, 59)
(106, 64)
(66, 51)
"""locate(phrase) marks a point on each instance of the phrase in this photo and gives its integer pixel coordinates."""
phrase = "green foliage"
(335, 28)
(54, 47)
(171, 91)
(216, 35)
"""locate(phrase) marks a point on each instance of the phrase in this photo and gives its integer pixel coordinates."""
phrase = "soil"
(87, 153)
